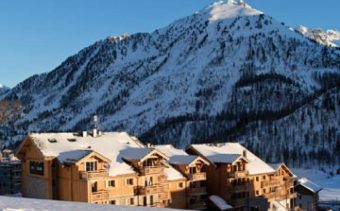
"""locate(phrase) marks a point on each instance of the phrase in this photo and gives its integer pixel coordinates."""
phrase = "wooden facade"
(233, 182)
(88, 179)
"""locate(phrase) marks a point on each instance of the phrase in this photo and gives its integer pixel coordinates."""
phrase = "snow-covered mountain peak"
(3, 89)
(229, 9)
(329, 37)
(118, 38)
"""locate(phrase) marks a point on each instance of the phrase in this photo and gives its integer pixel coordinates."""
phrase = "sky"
(37, 35)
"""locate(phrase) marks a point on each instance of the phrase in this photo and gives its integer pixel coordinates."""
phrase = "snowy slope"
(214, 75)
(330, 184)
(26, 204)
(329, 37)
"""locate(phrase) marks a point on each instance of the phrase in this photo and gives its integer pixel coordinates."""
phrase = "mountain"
(226, 73)
(329, 37)
(3, 89)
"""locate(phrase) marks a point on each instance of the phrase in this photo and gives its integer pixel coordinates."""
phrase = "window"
(257, 193)
(264, 177)
(257, 179)
(145, 203)
(94, 187)
(113, 202)
(180, 184)
(132, 201)
(91, 166)
(151, 200)
(264, 190)
(129, 181)
(37, 167)
(111, 183)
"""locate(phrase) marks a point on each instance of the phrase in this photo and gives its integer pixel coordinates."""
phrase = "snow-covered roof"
(172, 174)
(223, 158)
(170, 150)
(220, 203)
(309, 185)
(135, 153)
(255, 164)
(177, 156)
(71, 146)
(277, 166)
(278, 206)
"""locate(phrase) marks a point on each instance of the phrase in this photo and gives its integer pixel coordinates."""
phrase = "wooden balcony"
(198, 176)
(94, 174)
(280, 195)
(241, 174)
(154, 189)
(240, 188)
(197, 191)
(99, 195)
(270, 183)
(152, 170)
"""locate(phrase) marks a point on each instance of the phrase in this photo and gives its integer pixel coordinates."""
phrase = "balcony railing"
(240, 188)
(94, 174)
(270, 183)
(154, 189)
(152, 170)
(198, 176)
(99, 195)
(197, 191)
(238, 174)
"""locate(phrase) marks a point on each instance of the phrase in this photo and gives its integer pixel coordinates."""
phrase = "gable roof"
(140, 153)
(311, 186)
(224, 158)
(109, 145)
(75, 157)
(277, 166)
(255, 164)
(179, 156)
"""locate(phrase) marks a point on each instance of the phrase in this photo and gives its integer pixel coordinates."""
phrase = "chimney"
(84, 134)
(95, 127)
(94, 132)
(245, 153)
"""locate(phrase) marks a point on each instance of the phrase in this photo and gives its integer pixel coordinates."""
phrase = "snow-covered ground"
(330, 185)
(25, 204)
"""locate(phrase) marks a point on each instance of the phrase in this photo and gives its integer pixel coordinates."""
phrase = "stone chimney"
(245, 153)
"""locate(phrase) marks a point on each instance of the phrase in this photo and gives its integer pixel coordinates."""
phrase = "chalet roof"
(309, 185)
(182, 159)
(173, 174)
(177, 156)
(170, 150)
(220, 203)
(73, 156)
(223, 158)
(255, 164)
(277, 166)
(66, 146)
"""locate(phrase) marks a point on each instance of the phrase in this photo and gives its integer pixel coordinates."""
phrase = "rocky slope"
(329, 37)
(228, 72)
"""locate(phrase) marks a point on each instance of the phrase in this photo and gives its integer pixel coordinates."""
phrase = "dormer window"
(72, 140)
(91, 166)
(52, 140)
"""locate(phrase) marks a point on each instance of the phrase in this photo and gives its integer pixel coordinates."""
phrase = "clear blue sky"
(37, 35)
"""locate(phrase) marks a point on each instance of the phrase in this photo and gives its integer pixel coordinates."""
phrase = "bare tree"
(9, 111)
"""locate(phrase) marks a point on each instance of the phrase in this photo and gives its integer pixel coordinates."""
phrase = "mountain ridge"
(208, 76)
